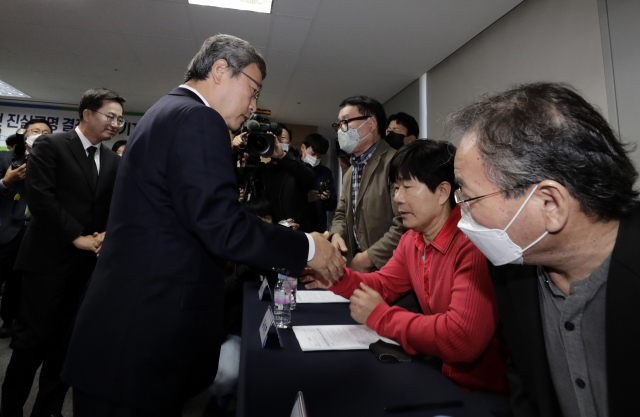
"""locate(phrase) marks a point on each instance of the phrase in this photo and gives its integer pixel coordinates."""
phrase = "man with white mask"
(367, 225)
(322, 197)
(547, 194)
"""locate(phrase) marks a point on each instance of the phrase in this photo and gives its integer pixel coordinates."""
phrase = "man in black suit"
(148, 332)
(13, 223)
(539, 168)
(69, 183)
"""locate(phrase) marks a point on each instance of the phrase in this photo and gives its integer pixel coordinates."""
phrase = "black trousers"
(86, 405)
(47, 309)
(10, 277)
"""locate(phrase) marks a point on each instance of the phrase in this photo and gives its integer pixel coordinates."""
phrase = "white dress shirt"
(312, 244)
(86, 143)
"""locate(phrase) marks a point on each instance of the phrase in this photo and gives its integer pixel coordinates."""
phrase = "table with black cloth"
(334, 383)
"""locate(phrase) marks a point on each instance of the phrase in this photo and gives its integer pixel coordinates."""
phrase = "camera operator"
(322, 198)
(284, 181)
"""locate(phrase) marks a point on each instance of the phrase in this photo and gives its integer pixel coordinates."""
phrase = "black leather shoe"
(5, 331)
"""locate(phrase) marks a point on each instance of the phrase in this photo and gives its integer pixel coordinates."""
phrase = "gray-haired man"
(547, 192)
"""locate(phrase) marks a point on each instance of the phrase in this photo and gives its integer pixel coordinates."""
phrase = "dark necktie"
(91, 150)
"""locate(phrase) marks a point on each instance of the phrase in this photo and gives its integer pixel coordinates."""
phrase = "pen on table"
(422, 406)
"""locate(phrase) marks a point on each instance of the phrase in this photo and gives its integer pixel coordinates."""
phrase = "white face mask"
(314, 162)
(349, 140)
(495, 244)
(31, 139)
(285, 147)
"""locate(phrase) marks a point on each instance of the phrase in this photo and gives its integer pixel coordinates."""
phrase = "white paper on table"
(319, 297)
(342, 337)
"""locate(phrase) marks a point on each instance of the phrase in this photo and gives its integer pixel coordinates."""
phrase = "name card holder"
(299, 408)
(265, 285)
(268, 321)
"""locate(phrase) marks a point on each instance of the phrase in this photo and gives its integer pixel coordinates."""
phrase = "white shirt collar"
(197, 93)
(85, 142)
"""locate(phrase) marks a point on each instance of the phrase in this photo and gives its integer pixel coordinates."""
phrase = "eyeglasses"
(37, 131)
(113, 120)
(256, 93)
(463, 202)
(344, 124)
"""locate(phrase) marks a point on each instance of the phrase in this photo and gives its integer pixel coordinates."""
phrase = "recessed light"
(260, 6)
(7, 91)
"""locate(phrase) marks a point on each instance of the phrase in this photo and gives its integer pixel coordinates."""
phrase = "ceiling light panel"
(260, 6)
(7, 91)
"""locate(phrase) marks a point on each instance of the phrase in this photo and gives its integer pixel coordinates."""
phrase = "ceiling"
(317, 51)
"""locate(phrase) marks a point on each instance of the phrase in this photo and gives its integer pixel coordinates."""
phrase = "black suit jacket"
(63, 202)
(148, 332)
(13, 203)
(518, 303)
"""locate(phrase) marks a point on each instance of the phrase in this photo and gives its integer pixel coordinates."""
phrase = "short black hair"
(118, 144)
(317, 142)
(11, 140)
(259, 207)
(428, 161)
(284, 127)
(403, 119)
(94, 99)
(368, 106)
(34, 121)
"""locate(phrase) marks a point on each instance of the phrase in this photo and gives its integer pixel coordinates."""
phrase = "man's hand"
(241, 198)
(13, 176)
(238, 140)
(325, 195)
(278, 153)
(314, 279)
(363, 302)
(87, 243)
(338, 242)
(294, 225)
(362, 263)
(100, 238)
(327, 261)
(313, 196)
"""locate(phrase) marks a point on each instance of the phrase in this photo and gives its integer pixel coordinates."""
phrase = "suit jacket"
(519, 306)
(319, 208)
(12, 203)
(63, 202)
(379, 225)
(148, 332)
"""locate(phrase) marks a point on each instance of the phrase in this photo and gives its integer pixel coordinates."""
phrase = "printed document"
(319, 297)
(344, 337)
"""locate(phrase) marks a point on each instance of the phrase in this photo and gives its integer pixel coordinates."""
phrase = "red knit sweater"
(460, 324)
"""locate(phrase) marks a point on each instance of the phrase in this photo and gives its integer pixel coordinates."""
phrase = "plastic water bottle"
(293, 285)
(282, 310)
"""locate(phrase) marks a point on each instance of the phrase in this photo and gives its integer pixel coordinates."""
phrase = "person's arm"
(332, 202)
(380, 252)
(339, 222)
(464, 331)
(302, 172)
(205, 199)
(40, 186)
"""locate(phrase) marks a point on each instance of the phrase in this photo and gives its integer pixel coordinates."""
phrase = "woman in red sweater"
(460, 324)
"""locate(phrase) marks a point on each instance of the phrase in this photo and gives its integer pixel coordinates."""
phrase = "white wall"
(540, 40)
(407, 100)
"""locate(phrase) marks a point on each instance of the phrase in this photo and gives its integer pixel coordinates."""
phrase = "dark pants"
(47, 309)
(85, 405)
(11, 297)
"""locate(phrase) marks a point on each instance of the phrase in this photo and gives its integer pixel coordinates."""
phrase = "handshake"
(327, 263)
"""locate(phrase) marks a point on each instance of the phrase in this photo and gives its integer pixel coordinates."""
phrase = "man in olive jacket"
(367, 225)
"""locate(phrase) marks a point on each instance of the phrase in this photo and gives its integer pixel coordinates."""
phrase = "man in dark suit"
(322, 197)
(148, 332)
(539, 168)
(69, 182)
(13, 223)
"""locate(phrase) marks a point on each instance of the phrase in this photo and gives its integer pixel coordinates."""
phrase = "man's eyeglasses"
(113, 120)
(37, 131)
(463, 201)
(344, 124)
(256, 93)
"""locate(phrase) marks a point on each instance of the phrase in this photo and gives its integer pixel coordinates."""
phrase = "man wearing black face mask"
(401, 130)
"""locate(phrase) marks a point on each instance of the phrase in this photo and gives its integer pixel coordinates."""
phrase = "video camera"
(20, 154)
(258, 142)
